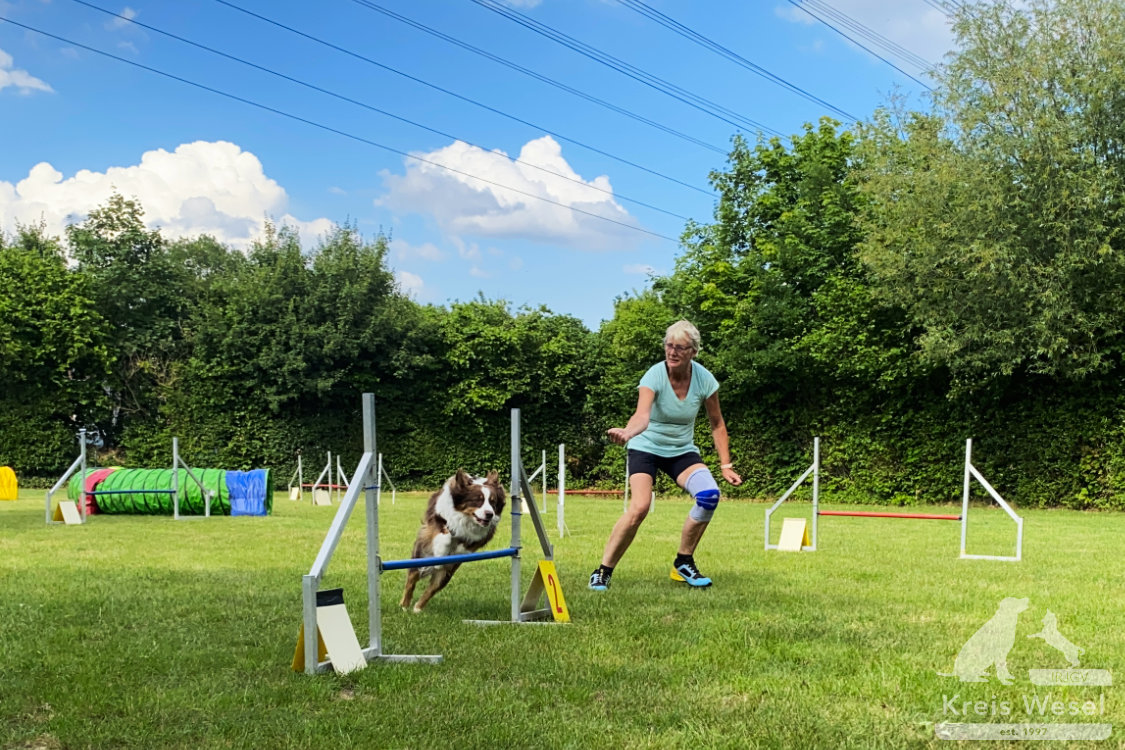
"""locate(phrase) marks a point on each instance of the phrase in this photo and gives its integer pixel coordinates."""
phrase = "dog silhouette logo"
(1051, 635)
(989, 646)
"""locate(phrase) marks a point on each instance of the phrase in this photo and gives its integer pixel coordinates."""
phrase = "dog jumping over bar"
(461, 517)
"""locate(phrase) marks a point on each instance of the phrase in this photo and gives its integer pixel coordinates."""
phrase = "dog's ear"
(493, 478)
(461, 479)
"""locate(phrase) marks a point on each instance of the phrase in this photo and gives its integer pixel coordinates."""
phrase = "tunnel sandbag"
(146, 492)
(249, 492)
(94, 477)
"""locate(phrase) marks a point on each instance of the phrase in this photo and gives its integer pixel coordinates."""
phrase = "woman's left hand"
(732, 477)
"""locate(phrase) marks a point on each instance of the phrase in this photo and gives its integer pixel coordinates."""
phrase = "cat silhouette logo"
(989, 646)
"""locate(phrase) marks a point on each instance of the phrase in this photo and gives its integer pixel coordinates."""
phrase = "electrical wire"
(703, 41)
(463, 98)
(893, 48)
(328, 128)
(800, 5)
(538, 76)
(670, 89)
(372, 108)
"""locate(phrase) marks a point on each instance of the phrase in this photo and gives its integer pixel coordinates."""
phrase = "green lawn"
(141, 632)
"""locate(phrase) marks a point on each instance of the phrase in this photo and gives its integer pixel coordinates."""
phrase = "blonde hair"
(682, 329)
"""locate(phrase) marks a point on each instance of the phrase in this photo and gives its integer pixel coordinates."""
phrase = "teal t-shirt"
(671, 426)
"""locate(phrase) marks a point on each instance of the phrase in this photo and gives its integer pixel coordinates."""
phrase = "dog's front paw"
(417, 609)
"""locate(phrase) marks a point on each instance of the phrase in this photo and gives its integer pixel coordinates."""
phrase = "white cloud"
(203, 187)
(126, 15)
(478, 273)
(923, 30)
(462, 205)
(641, 269)
(403, 250)
(466, 251)
(21, 80)
(128, 47)
(409, 283)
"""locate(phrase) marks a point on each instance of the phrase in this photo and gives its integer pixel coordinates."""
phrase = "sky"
(499, 160)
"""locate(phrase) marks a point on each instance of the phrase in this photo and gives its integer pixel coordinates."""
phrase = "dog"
(989, 646)
(1050, 633)
(461, 517)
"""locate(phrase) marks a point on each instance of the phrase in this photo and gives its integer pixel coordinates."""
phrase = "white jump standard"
(366, 480)
(970, 471)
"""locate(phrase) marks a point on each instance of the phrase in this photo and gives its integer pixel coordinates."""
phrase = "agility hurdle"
(79, 465)
(297, 491)
(970, 471)
(382, 472)
(366, 480)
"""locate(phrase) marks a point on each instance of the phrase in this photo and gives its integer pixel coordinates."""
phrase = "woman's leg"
(640, 487)
(693, 529)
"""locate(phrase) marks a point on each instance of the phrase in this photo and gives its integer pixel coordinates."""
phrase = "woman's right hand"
(617, 435)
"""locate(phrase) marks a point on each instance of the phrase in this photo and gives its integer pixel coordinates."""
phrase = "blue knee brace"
(702, 486)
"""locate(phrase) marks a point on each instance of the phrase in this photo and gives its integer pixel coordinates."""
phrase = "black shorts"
(642, 462)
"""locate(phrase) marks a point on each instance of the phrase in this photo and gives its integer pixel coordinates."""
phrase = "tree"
(140, 290)
(997, 218)
(54, 353)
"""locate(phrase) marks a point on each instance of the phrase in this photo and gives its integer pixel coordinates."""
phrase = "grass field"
(141, 632)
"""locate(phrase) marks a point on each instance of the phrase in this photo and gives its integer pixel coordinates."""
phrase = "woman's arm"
(722, 441)
(638, 423)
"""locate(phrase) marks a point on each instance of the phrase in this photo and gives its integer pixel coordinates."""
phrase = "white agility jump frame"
(79, 466)
(970, 472)
(366, 480)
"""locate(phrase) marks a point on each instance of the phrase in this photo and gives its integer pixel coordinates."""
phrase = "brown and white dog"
(461, 517)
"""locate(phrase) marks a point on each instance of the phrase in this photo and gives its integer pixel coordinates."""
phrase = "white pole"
(379, 481)
(815, 488)
(175, 479)
(543, 500)
(561, 490)
(82, 484)
(625, 502)
(374, 571)
(965, 496)
(517, 503)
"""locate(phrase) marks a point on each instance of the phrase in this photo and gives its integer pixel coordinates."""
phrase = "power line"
(538, 76)
(799, 4)
(892, 47)
(670, 89)
(463, 98)
(371, 108)
(330, 129)
(703, 41)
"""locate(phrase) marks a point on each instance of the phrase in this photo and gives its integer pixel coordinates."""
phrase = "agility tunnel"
(149, 492)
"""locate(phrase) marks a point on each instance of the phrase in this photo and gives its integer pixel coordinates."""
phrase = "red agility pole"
(929, 516)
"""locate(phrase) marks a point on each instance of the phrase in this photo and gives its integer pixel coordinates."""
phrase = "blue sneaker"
(599, 580)
(686, 572)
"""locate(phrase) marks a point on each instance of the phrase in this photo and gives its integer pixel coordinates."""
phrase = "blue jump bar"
(422, 562)
(132, 492)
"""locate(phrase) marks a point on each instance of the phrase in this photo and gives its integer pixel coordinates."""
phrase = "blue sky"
(512, 177)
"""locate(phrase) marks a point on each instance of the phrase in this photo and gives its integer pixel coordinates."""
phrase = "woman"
(659, 438)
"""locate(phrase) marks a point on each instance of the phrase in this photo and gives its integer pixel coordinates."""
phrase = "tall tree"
(139, 289)
(997, 218)
(54, 353)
